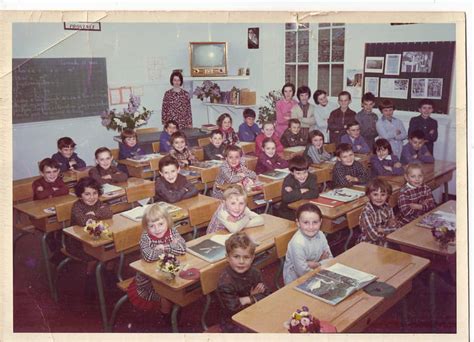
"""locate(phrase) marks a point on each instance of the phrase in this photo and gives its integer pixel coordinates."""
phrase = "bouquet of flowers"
(208, 89)
(168, 264)
(98, 229)
(268, 111)
(443, 235)
(303, 322)
(130, 117)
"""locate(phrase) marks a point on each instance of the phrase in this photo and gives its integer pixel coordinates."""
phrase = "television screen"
(208, 55)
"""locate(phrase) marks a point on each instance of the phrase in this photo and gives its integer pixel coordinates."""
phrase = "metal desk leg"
(100, 291)
(446, 192)
(348, 239)
(433, 300)
(404, 313)
(51, 284)
(174, 318)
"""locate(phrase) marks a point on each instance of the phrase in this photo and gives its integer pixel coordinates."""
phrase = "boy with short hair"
(50, 184)
(347, 171)
(415, 197)
(425, 123)
(354, 138)
(367, 119)
(171, 186)
(240, 284)
(293, 136)
(415, 151)
(215, 150)
(66, 158)
(339, 118)
(248, 130)
(171, 126)
(391, 128)
(299, 184)
(105, 171)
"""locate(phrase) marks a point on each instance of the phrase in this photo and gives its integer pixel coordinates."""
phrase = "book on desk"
(207, 164)
(335, 283)
(438, 218)
(110, 189)
(343, 194)
(277, 173)
(136, 214)
(211, 249)
(145, 157)
(327, 202)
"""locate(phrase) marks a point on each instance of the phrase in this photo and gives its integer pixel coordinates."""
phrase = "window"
(330, 66)
(297, 53)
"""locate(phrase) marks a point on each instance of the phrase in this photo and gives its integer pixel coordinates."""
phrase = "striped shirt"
(374, 223)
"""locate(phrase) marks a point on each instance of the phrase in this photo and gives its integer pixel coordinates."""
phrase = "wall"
(129, 47)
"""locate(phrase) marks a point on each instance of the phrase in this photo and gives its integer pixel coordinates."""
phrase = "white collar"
(388, 157)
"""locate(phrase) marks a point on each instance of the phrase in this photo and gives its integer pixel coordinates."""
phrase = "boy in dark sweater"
(293, 136)
(347, 171)
(240, 284)
(66, 158)
(215, 150)
(50, 184)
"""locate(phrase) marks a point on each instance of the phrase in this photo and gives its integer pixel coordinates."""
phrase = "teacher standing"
(176, 103)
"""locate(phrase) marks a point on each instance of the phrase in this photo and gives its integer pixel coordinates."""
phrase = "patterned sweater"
(229, 175)
(185, 158)
(81, 212)
(177, 106)
(230, 137)
(374, 223)
(409, 194)
(316, 155)
(340, 172)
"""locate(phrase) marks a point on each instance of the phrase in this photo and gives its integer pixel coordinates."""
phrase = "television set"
(208, 58)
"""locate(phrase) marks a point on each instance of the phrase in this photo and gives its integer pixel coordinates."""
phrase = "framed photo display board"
(408, 72)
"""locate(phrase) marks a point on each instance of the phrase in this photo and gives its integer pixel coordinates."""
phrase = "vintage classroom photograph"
(249, 172)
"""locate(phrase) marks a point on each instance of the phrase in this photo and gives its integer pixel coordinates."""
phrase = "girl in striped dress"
(158, 237)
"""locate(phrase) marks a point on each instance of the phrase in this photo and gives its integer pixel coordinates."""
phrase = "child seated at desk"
(315, 152)
(347, 171)
(308, 248)
(233, 214)
(383, 162)
(268, 131)
(215, 150)
(299, 184)
(224, 122)
(66, 158)
(158, 237)
(240, 284)
(248, 130)
(172, 187)
(232, 171)
(180, 150)
(170, 128)
(50, 184)
(293, 136)
(415, 197)
(354, 138)
(269, 160)
(415, 151)
(128, 148)
(88, 207)
(377, 219)
(105, 172)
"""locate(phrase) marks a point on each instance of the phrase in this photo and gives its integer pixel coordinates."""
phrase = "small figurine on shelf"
(98, 229)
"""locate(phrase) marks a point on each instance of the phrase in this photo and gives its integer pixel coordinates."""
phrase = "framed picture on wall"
(395, 88)
(253, 38)
(374, 64)
(417, 61)
(371, 84)
(392, 64)
(427, 88)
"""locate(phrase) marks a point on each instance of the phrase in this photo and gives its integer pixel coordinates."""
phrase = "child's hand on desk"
(259, 288)
(325, 255)
(352, 179)
(90, 213)
(40, 188)
(72, 163)
(397, 164)
(304, 190)
(313, 264)
(388, 168)
(288, 189)
(415, 206)
(107, 177)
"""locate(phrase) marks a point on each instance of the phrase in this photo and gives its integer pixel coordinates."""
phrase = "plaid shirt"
(341, 171)
(182, 156)
(374, 223)
(173, 243)
(229, 175)
(408, 195)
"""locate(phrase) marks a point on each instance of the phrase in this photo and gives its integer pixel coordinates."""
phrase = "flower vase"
(167, 275)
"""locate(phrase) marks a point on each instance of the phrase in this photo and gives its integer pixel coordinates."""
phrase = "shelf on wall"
(217, 78)
(227, 105)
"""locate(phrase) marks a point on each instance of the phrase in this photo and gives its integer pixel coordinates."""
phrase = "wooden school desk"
(419, 241)
(182, 292)
(353, 314)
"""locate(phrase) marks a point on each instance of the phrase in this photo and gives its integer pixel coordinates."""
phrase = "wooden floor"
(77, 309)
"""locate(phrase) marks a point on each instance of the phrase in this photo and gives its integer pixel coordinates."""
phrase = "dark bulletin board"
(58, 88)
(439, 67)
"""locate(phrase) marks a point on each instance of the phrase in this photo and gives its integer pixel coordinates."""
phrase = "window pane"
(303, 25)
(290, 26)
(290, 47)
(338, 24)
(290, 73)
(323, 46)
(338, 45)
(302, 75)
(337, 71)
(303, 46)
(324, 25)
(323, 77)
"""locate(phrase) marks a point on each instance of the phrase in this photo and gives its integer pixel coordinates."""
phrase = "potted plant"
(267, 112)
(208, 90)
(130, 118)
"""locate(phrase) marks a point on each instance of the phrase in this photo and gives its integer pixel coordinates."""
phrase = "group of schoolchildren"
(241, 284)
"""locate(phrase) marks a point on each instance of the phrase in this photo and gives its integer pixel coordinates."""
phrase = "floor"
(77, 308)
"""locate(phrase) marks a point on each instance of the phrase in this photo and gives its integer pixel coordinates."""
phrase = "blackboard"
(440, 56)
(58, 88)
